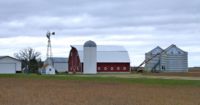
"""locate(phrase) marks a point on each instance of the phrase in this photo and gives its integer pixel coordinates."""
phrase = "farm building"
(172, 59)
(9, 65)
(92, 58)
(59, 63)
(47, 69)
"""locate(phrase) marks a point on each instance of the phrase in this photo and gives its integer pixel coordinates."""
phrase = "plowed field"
(20, 91)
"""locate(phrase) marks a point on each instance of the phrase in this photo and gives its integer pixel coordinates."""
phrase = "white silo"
(90, 58)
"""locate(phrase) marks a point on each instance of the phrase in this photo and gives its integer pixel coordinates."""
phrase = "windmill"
(49, 49)
(48, 66)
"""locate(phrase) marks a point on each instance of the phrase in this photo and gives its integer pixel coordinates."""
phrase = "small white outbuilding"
(59, 63)
(47, 69)
(9, 65)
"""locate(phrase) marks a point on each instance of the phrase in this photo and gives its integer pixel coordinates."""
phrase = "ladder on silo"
(146, 61)
(154, 67)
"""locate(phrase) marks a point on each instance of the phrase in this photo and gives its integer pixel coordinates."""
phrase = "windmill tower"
(49, 49)
(48, 65)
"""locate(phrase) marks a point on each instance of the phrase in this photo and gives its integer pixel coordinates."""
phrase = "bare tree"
(30, 59)
(27, 54)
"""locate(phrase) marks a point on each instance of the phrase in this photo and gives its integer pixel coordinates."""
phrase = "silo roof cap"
(90, 44)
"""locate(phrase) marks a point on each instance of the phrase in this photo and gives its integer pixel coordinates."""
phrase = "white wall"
(90, 58)
(7, 68)
(61, 67)
(8, 60)
(49, 70)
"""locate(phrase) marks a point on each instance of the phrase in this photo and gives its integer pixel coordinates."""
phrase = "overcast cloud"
(139, 25)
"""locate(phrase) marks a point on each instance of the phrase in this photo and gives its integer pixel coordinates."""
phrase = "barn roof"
(1, 57)
(59, 59)
(107, 53)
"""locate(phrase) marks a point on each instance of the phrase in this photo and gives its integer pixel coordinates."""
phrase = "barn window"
(124, 68)
(111, 68)
(105, 68)
(99, 68)
(118, 68)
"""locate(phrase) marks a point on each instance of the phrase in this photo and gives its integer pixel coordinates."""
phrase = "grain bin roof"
(174, 50)
(156, 50)
(107, 53)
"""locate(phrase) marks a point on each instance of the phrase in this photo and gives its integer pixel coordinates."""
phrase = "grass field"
(96, 90)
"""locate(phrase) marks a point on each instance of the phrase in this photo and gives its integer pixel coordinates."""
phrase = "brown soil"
(65, 92)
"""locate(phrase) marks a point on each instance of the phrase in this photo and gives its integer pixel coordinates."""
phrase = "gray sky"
(139, 25)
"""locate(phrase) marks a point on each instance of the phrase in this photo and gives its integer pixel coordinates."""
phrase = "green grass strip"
(96, 78)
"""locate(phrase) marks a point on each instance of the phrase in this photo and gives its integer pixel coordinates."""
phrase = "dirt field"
(68, 92)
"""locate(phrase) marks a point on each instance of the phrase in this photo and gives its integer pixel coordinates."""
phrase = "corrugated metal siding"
(176, 63)
(151, 63)
(173, 59)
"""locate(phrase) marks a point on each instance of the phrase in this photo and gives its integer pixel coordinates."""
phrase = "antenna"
(49, 49)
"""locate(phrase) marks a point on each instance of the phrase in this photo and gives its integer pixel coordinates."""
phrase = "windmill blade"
(48, 35)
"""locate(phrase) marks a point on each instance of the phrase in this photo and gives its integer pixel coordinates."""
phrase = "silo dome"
(90, 44)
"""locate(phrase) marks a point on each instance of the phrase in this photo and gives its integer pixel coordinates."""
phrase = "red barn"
(109, 59)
